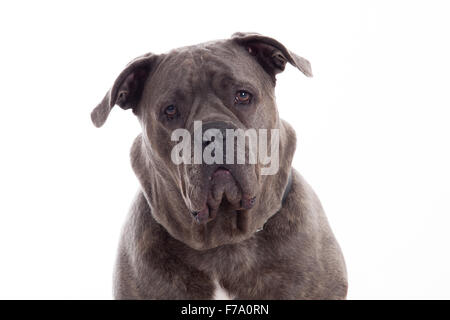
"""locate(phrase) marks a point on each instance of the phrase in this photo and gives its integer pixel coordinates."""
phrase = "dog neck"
(283, 199)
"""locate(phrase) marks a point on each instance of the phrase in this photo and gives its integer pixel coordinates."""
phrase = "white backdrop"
(372, 125)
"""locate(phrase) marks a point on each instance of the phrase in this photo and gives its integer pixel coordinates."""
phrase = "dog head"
(195, 103)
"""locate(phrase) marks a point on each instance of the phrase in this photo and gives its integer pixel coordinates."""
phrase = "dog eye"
(243, 97)
(171, 112)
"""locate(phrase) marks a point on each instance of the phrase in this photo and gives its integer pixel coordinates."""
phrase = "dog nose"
(206, 143)
(218, 126)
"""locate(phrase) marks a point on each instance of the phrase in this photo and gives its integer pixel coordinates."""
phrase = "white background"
(372, 125)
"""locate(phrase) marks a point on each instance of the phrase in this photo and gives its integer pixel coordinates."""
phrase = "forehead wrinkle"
(197, 71)
(179, 70)
(210, 67)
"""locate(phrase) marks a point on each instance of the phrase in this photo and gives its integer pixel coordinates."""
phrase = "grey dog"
(205, 231)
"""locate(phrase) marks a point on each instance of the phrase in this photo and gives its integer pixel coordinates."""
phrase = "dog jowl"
(214, 165)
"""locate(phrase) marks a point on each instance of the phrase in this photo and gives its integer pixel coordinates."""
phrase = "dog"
(217, 231)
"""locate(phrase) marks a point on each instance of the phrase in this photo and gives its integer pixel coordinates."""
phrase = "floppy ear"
(126, 90)
(271, 54)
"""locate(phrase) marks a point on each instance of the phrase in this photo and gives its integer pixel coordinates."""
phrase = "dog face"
(226, 85)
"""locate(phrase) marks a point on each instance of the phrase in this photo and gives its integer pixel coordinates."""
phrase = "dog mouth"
(224, 195)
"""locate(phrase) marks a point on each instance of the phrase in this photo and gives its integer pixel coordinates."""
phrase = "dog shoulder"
(303, 217)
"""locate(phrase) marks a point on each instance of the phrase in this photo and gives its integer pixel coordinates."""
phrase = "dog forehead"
(208, 52)
(203, 61)
(199, 70)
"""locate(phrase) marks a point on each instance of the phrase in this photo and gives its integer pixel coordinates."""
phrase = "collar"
(283, 198)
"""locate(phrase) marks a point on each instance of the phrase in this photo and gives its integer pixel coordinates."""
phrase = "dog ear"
(126, 90)
(271, 54)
